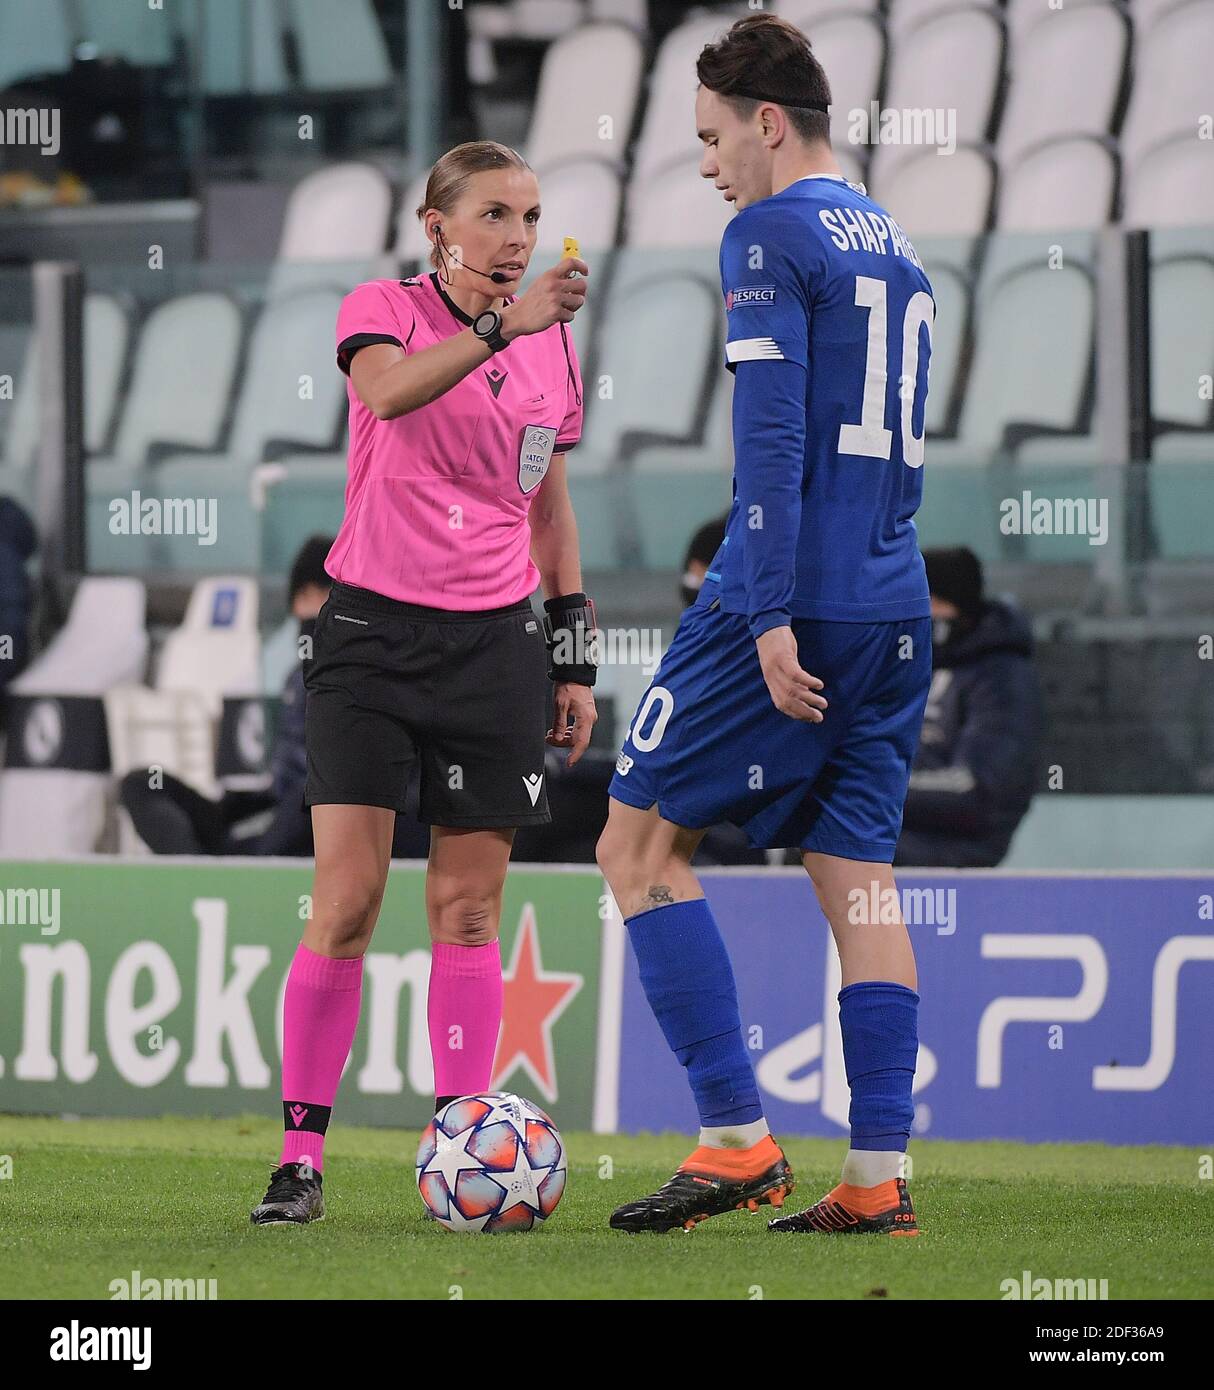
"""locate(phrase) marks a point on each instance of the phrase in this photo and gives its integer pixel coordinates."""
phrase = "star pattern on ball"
(451, 1156)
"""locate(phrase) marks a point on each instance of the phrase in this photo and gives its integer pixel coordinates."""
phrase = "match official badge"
(535, 455)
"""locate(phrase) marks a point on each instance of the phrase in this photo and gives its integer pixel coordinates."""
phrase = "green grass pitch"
(89, 1201)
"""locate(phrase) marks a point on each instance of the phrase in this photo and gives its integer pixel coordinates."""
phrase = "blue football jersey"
(829, 338)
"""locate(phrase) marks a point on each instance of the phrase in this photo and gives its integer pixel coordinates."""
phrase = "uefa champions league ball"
(490, 1163)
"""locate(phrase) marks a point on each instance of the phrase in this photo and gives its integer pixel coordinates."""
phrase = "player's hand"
(552, 298)
(793, 691)
(578, 701)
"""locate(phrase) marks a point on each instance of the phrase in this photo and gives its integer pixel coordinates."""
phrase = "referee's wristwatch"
(488, 328)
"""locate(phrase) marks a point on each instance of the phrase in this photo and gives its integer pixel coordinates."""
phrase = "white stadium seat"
(668, 131)
(676, 207)
(1022, 372)
(412, 243)
(589, 86)
(1171, 185)
(338, 213)
(185, 364)
(952, 63)
(932, 194)
(851, 49)
(1059, 186)
(1067, 71)
(290, 393)
(1171, 79)
(102, 644)
(215, 653)
(580, 199)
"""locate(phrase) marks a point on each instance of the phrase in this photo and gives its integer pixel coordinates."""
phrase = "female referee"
(463, 401)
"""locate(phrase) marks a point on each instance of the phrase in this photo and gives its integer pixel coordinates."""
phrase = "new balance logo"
(533, 785)
(623, 764)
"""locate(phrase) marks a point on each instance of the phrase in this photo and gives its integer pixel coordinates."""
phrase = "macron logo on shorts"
(533, 785)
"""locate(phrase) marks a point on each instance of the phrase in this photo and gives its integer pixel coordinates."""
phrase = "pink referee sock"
(464, 1009)
(320, 1016)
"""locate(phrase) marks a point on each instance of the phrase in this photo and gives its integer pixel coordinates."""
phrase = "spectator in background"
(175, 819)
(974, 772)
(704, 545)
(18, 541)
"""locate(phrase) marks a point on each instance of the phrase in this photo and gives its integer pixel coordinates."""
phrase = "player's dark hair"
(450, 174)
(308, 566)
(770, 54)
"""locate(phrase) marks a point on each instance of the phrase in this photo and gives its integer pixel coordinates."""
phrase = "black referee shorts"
(466, 693)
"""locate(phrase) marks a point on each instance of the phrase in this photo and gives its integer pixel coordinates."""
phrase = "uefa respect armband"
(571, 632)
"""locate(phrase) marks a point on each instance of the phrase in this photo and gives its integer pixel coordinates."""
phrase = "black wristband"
(570, 628)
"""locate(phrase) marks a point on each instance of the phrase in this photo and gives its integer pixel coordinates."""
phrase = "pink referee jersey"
(437, 499)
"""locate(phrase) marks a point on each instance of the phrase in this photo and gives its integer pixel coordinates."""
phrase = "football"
(490, 1163)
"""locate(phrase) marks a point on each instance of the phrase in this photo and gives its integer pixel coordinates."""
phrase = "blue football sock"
(688, 980)
(879, 1023)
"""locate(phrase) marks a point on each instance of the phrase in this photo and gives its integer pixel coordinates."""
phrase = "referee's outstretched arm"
(391, 382)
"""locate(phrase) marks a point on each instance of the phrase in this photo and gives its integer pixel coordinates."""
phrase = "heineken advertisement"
(151, 988)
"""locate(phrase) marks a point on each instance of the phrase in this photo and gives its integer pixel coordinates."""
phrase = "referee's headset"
(445, 251)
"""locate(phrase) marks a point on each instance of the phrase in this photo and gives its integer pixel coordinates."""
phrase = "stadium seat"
(129, 29)
(106, 330)
(952, 62)
(1071, 64)
(185, 364)
(936, 195)
(675, 488)
(1181, 474)
(1018, 376)
(580, 199)
(951, 293)
(631, 12)
(676, 207)
(1182, 340)
(341, 47)
(804, 12)
(590, 76)
(663, 306)
(305, 496)
(339, 213)
(904, 15)
(242, 47)
(35, 40)
(412, 243)
(1171, 185)
(215, 653)
(1058, 186)
(102, 644)
(1180, 481)
(668, 130)
(851, 49)
(290, 394)
(1171, 78)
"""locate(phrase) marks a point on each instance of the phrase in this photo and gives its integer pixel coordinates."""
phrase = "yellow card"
(571, 248)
